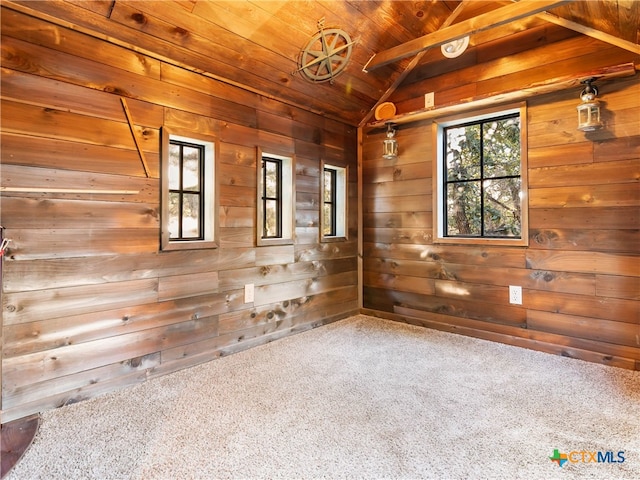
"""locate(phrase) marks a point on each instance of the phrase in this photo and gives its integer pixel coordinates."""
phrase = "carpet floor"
(362, 398)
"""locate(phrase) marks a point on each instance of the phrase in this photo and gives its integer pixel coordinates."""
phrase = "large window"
(333, 219)
(188, 192)
(276, 200)
(481, 178)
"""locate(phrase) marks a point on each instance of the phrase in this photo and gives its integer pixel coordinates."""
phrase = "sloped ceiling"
(257, 44)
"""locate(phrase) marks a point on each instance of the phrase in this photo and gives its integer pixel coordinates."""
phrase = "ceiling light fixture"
(390, 144)
(455, 48)
(589, 109)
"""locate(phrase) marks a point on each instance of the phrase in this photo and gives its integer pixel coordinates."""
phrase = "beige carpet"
(362, 398)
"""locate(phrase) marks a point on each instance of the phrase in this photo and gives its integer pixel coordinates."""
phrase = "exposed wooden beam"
(495, 18)
(450, 19)
(591, 32)
(516, 94)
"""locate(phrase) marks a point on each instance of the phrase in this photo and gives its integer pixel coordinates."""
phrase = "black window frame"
(333, 202)
(201, 193)
(479, 180)
(278, 198)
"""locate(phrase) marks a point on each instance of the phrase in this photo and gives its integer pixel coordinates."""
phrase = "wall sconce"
(589, 109)
(390, 144)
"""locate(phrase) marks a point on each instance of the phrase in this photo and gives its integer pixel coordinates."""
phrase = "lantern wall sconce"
(390, 144)
(589, 109)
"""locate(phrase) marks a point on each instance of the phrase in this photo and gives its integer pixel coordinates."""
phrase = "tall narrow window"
(188, 192)
(276, 199)
(481, 167)
(329, 203)
(333, 218)
(271, 198)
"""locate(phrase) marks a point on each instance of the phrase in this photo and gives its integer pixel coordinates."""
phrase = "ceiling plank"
(495, 18)
(450, 19)
(591, 32)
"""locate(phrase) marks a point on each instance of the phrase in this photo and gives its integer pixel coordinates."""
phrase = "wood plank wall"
(89, 303)
(581, 271)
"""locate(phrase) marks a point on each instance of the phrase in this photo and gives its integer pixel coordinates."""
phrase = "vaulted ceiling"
(258, 44)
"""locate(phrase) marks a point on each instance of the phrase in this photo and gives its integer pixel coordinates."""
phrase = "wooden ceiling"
(257, 44)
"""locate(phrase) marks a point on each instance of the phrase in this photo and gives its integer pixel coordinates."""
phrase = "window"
(481, 178)
(188, 192)
(333, 219)
(276, 203)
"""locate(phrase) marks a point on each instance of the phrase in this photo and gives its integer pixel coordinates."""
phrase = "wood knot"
(181, 32)
(134, 362)
(139, 18)
(115, 90)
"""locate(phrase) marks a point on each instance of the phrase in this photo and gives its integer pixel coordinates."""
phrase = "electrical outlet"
(515, 295)
(248, 293)
(428, 100)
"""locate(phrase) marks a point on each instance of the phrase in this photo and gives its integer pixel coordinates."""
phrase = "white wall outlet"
(428, 100)
(515, 295)
(248, 293)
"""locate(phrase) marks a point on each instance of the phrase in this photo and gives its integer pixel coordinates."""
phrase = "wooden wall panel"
(580, 273)
(90, 303)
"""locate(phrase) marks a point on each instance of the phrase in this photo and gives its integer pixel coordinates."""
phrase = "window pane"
(328, 185)
(328, 220)
(174, 167)
(271, 218)
(190, 216)
(271, 179)
(463, 209)
(191, 169)
(502, 216)
(502, 148)
(463, 153)
(174, 215)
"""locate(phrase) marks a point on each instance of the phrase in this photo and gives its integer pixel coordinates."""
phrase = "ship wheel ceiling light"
(326, 54)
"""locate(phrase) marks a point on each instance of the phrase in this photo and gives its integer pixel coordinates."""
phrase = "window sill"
(197, 245)
(332, 239)
(265, 242)
(515, 242)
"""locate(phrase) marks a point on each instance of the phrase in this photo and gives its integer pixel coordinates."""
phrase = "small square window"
(333, 217)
